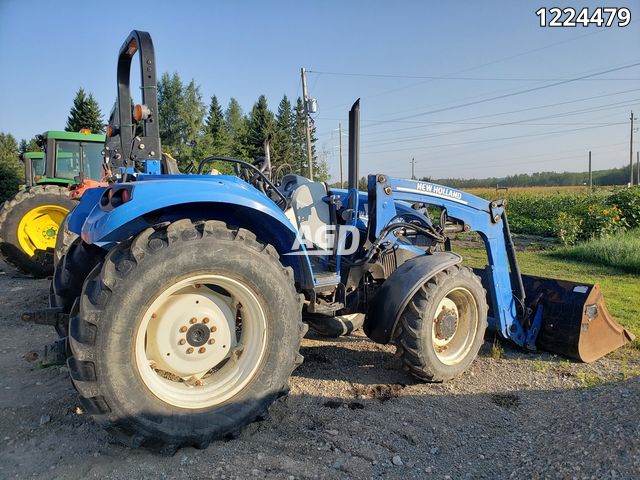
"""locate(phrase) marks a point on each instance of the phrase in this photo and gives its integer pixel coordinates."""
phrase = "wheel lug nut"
(212, 341)
(154, 315)
(202, 350)
(213, 329)
(183, 329)
(190, 350)
(182, 341)
(199, 383)
(205, 320)
(153, 365)
(193, 320)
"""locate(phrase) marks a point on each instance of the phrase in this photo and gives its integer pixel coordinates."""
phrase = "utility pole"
(413, 168)
(638, 168)
(590, 174)
(340, 149)
(305, 99)
(631, 152)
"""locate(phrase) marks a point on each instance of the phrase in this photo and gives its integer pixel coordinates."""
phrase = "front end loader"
(191, 289)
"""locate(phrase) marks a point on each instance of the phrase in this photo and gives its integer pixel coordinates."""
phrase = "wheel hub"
(200, 341)
(446, 323)
(198, 335)
(38, 228)
(192, 332)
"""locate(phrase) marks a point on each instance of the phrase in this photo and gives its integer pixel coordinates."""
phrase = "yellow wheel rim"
(38, 228)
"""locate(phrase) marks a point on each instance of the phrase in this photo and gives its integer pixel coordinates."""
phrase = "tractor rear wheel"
(64, 240)
(442, 328)
(29, 224)
(184, 335)
(70, 273)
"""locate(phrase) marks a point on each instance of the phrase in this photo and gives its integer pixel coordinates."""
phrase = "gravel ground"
(351, 414)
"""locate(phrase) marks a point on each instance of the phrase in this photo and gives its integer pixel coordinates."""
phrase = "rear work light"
(115, 196)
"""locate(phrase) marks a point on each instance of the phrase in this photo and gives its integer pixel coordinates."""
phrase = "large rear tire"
(442, 328)
(29, 223)
(64, 240)
(184, 335)
(69, 276)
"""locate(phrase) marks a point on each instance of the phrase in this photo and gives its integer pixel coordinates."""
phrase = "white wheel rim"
(452, 340)
(197, 347)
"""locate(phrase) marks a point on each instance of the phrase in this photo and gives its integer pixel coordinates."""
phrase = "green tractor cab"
(30, 220)
(33, 167)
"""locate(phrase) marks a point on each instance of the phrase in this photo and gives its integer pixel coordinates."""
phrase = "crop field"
(570, 214)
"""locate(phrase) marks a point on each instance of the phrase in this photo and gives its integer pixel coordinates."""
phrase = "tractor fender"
(392, 297)
(168, 198)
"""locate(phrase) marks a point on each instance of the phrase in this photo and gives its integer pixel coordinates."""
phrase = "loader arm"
(475, 214)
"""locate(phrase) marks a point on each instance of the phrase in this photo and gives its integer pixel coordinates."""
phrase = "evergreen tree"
(181, 112)
(30, 146)
(261, 125)
(169, 99)
(11, 168)
(284, 135)
(216, 130)
(85, 113)
(236, 124)
(299, 140)
(192, 111)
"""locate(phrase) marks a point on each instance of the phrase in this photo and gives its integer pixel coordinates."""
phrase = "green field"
(621, 289)
(621, 251)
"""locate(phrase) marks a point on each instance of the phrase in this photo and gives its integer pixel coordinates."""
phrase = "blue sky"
(453, 126)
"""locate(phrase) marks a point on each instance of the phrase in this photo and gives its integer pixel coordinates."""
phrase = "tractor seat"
(311, 213)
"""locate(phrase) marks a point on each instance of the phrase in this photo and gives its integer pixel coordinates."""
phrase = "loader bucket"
(575, 319)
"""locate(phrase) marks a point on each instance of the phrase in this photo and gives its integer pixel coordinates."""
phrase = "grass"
(621, 252)
(497, 352)
(620, 288)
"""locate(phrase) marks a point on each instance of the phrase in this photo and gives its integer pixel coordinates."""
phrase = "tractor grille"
(388, 262)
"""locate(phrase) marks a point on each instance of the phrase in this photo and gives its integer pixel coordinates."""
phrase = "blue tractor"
(185, 295)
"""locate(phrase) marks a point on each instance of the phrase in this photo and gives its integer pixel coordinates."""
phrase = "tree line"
(191, 130)
(611, 176)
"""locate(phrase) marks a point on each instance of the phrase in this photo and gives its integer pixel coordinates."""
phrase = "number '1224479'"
(570, 17)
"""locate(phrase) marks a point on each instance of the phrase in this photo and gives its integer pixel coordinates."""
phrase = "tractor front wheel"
(29, 224)
(184, 335)
(442, 328)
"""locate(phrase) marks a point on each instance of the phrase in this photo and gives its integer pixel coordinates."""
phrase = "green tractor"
(30, 220)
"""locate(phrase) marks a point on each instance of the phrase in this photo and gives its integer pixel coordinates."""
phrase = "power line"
(453, 77)
(512, 94)
(515, 122)
(418, 123)
(494, 139)
(485, 64)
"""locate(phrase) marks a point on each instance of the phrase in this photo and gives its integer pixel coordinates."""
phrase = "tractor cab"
(33, 166)
(69, 155)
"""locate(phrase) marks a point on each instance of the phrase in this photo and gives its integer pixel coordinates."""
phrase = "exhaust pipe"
(354, 149)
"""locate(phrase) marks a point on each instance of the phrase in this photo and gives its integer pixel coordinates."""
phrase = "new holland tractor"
(31, 219)
(186, 293)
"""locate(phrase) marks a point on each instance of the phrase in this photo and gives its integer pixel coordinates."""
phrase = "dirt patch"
(352, 413)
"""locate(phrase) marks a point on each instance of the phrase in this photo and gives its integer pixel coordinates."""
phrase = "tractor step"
(47, 316)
